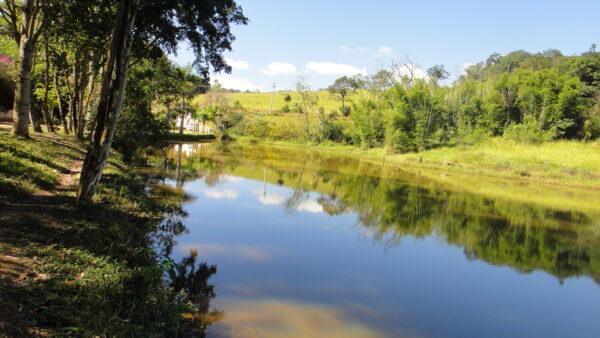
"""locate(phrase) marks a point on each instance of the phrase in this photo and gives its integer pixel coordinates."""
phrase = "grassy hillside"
(260, 102)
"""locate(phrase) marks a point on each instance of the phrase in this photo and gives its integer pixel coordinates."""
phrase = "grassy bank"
(564, 163)
(94, 272)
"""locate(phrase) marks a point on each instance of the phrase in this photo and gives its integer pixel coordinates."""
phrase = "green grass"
(260, 102)
(91, 272)
(571, 162)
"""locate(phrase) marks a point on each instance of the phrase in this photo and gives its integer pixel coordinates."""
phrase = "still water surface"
(309, 244)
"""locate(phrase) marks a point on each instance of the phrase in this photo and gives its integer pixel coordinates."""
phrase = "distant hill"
(260, 102)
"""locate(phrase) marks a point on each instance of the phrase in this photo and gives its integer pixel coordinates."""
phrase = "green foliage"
(527, 132)
(369, 128)
(138, 127)
(530, 97)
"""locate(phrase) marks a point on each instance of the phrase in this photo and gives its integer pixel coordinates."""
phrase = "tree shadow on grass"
(92, 271)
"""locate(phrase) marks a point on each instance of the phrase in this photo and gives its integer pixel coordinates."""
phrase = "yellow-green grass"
(260, 102)
(563, 163)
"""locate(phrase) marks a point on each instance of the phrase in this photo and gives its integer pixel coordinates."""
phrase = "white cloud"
(237, 64)
(462, 69)
(406, 70)
(362, 49)
(279, 68)
(237, 83)
(330, 68)
(384, 50)
(221, 194)
(345, 48)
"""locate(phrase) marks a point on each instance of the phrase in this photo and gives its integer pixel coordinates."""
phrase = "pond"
(309, 243)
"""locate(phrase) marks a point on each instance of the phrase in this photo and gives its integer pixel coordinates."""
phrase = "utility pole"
(272, 96)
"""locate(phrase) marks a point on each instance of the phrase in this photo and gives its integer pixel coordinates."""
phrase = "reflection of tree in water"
(524, 236)
(298, 195)
(190, 280)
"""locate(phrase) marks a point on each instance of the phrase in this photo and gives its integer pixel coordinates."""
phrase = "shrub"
(528, 132)
(333, 131)
(346, 111)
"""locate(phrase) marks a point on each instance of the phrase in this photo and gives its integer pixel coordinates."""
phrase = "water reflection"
(279, 261)
(192, 278)
(524, 236)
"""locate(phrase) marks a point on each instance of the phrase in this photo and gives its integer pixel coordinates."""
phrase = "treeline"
(98, 68)
(522, 96)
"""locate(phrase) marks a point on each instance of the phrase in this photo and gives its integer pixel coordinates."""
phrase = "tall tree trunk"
(87, 105)
(34, 114)
(168, 120)
(61, 110)
(23, 86)
(80, 97)
(74, 102)
(181, 124)
(46, 107)
(111, 101)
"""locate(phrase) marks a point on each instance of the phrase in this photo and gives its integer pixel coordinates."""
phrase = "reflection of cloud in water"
(277, 318)
(268, 198)
(311, 206)
(247, 252)
(221, 194)
(233, 179)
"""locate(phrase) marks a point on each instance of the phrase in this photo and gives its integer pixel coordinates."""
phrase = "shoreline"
(437, 164)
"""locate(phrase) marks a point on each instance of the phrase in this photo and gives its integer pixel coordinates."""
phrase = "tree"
(114, 81)
(308, 100)
(342, 87)
(161, 27)
(26, 34)
(188, 85)
(437, 73)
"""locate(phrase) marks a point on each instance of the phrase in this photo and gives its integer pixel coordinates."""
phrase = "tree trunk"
(168, 119)
(80, 97)
(111, 101)
(74, 102)
(61, 110)
(34, 114)
(46, 108)
(23, 86)
(181, 124)
(182, 118)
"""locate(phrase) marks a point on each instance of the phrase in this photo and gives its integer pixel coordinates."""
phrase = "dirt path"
(18, 219)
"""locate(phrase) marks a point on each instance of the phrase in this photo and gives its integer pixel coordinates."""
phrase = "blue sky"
(325, 39)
